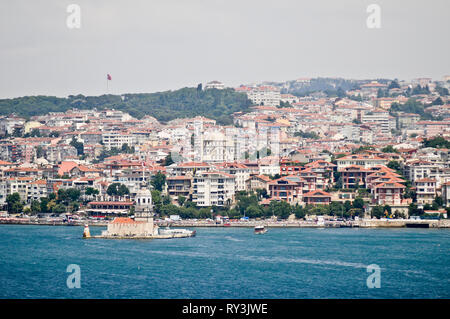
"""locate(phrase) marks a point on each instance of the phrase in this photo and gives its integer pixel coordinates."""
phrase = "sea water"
(226, 263)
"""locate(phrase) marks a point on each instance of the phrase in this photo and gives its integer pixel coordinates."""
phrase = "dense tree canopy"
(158, 181)
(437, 142)
(164, 106)
(117, 189)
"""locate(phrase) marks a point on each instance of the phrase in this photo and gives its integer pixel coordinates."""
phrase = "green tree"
(170, 209)
(181, 200)
(377, 212)
(168, 160)
(158, 181)
(35, 207)
(78, 145)
(157, 201)
(44, 205)
(253, 211)
(389, 149)
(358, 203)
(245, 200)
(413, 210)
(40, 152)
(280, 209)
(394, 165)
(437, 142)
(14, 203)
(90, 191)
(117, 189)
(439, 201)
(338, 209)
(393, 85)
(299, 211)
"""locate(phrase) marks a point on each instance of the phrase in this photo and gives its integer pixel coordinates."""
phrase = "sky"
(158, 45)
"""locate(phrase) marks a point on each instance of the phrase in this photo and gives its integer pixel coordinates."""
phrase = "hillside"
(165, 106)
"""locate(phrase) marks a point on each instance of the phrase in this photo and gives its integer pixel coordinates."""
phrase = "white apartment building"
(115, 115)
(381, 118)
(7, 124)
(214, 85)
(117, 139)
(14, 185)
(265, 95)
(425, 191)
(187, 168)
(269, 169)
(37, 190)
(213, 188)
(239, 171)
(363, 160)
(289, 98)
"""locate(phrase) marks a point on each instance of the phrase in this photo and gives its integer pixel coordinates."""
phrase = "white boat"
(260, 230)
(176, 231)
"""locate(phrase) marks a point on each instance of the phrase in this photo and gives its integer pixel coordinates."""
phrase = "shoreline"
(364, 223)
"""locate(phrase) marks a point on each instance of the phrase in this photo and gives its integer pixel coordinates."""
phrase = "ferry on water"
(260, 230)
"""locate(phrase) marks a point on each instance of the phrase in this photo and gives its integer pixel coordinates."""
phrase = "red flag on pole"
(108, 77)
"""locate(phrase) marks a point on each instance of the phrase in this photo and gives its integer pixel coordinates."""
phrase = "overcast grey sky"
(156, 45)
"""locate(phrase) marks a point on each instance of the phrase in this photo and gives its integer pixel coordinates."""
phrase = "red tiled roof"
(125, 220)
(425, 180)
(317, 193)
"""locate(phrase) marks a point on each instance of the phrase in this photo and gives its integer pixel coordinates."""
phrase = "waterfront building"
(446, 194)
(388, 193)
(425, 191)
(354, 176)
(109, 208)
(179, 186)
(317, 197)
(213, 189)
(287, 188)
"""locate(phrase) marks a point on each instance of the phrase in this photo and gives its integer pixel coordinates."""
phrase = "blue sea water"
(226, 263)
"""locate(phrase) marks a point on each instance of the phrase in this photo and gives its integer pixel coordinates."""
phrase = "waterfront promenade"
(363, 223)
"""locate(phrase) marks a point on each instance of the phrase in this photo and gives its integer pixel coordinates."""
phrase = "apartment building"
(388, 193)
(265, 95)
(117, 139)
(188, 168)
(287, 188)
(425, 191)
(446, 194)
(213, 188)
(239, 171)
(13, 185)
(364, 160)
(36, 190)
(214, 85)
(179, 186)
(381, 119)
